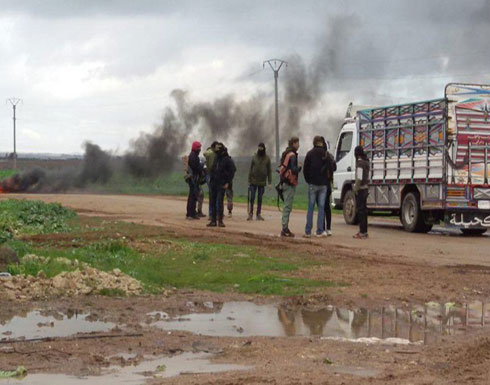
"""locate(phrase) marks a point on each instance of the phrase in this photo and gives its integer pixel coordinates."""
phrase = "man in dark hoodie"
(221, 176)
(361, 189)
(330, 168)
(260, 173)
(194, 170)
(289, 171)
(316, 177)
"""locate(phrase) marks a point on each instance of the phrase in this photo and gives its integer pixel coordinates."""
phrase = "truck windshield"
(345, 144)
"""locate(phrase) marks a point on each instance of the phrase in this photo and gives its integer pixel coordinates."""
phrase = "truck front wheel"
(349, 208)
(411, 215)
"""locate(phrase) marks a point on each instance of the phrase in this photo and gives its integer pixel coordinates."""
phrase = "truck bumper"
(468, 219)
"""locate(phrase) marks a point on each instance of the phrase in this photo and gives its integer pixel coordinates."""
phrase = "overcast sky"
(103, 70)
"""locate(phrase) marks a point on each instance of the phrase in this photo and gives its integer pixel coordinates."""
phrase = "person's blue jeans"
(316, 196)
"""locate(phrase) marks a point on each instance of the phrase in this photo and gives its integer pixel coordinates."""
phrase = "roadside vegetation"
(61, 241)
(21, 217)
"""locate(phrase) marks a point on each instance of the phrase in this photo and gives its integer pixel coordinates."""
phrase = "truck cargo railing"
(412, 135)
(485, 148)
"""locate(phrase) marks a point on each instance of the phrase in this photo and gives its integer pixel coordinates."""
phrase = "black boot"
(212, 223)
(221, 223)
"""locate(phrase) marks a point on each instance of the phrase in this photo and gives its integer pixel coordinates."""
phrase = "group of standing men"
(218, 171)
(318, 169)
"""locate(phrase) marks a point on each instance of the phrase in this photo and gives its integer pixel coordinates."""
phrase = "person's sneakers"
(211, 224)
(259, 217)
(250, 217)
(220, 223)
(201, 214)
(307, 236)
(329, 233)
(322, 235)
(191, 218)
(287, 233)
(361, 236)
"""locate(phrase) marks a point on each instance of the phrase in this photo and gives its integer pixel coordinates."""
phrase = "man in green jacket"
(259, 176)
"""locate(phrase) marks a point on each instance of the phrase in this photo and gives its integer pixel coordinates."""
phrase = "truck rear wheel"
(473, 232)
(411, 215)
(349, 208)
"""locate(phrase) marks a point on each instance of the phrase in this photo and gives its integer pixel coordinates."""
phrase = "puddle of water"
(40, 324)
(186, 363)
(426, 323)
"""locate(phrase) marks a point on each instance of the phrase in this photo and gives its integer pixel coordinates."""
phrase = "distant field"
(169, 184)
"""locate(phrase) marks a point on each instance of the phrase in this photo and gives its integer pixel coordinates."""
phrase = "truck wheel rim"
(409, 212)
(350, 207)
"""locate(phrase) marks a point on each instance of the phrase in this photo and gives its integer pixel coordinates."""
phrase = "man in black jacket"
(315, 176)
(194, 170)
(361, 189)
(221, 175)
(330, 168)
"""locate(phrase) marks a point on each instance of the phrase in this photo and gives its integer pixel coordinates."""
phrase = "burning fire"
(10, 185)
(21, 182)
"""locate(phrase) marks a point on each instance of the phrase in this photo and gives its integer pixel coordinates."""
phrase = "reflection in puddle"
(42, 324)
(186, 363)
(427, 323)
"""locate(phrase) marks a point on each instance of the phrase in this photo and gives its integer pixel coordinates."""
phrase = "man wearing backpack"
(316, 177)
(260, 173)
(289, 171)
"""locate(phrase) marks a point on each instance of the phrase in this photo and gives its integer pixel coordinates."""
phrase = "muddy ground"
(389, 279)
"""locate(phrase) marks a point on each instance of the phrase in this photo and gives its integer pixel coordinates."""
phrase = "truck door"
(344, 156)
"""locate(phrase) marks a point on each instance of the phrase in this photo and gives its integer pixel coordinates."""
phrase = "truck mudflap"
(469, 220)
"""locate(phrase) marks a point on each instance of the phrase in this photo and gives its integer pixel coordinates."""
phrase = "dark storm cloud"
(368, 52)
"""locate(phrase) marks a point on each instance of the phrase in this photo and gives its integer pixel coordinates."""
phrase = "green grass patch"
(174, 184)
(214, 267)
(18, 217)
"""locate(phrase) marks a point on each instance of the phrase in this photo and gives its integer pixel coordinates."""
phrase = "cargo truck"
(429, 160)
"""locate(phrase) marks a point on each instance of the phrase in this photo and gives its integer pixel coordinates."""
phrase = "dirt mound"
(82, 281)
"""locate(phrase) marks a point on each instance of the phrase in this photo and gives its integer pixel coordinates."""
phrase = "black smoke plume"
(96, 167)
(245, 123)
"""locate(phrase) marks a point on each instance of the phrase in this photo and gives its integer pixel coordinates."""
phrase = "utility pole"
(14, 102)
(275, 65)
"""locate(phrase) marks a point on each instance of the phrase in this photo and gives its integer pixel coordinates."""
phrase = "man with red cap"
(194, 170)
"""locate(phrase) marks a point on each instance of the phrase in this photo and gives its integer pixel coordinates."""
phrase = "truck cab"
(344, 156)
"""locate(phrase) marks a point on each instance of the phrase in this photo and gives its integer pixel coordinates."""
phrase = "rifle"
(280, 194)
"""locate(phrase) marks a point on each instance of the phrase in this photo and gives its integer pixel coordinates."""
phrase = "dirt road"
(398, 285)
(440, 247)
